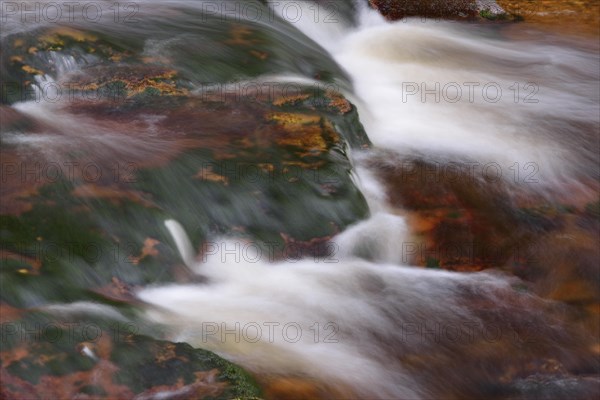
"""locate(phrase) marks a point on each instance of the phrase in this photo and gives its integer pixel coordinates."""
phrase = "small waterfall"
(276, 318)
(439, 90)
(342, 320)
(360, 322)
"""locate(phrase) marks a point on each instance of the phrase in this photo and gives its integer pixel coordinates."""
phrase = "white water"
(363, 312)
(443, 90)
(354, 314)
(368, 303)
(546, 131)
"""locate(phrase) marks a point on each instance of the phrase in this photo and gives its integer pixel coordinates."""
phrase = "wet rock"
(461, 220)
(464, 222)
(579, 17)
(45, 357)
(489, 9)
(557, 387)
(89, 178)
(219, 50)
(452, 9)
(398, 9)
(94, 209)
(139, 137)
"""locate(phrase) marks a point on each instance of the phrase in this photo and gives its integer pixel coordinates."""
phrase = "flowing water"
(515, 107)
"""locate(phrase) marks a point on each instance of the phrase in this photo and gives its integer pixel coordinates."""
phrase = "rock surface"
(136, 139)
(452, 9)
(44, 357)
(398, 9)
(579, 17)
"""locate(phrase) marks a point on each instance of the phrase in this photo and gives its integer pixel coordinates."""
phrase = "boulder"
(451, 9)
(398, 9)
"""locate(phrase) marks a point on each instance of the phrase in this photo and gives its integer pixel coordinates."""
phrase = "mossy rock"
(44, 357)
(216, 50)
(82, 216)
(269, 167)
(246, 169)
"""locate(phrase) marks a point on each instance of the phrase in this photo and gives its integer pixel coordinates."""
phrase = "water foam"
(442, 90)
(338, 322)
(367, 298)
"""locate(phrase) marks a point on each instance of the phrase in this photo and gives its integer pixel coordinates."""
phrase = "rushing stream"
(475, 134)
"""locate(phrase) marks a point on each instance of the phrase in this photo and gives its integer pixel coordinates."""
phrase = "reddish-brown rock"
(397, 9)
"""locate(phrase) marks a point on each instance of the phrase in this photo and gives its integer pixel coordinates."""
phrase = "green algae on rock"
(138, 125)
(147, 131)
(77, 231)
(46, 357)
(219, 50)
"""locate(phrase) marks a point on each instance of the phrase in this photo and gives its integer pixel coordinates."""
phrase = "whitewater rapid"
(424, 89)
(441, 91)
(353, 310)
